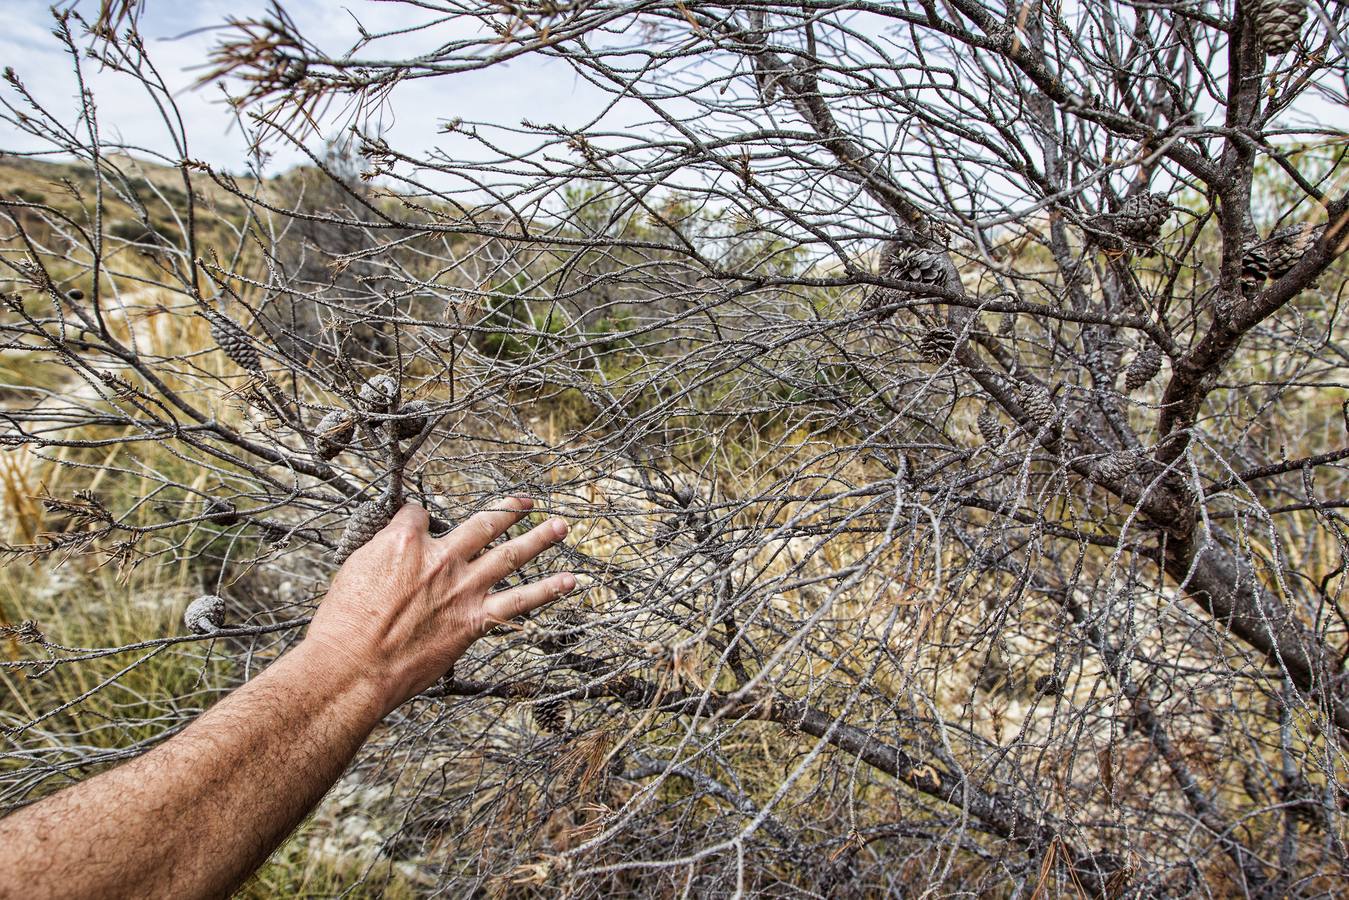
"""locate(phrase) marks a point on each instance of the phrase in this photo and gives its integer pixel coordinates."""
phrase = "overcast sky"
(179, 35)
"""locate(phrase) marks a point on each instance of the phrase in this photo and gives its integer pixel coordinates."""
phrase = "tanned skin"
(197, 815)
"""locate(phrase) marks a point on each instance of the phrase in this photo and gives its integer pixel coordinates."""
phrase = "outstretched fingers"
(506, 605)
(499, 562)
(484, 527)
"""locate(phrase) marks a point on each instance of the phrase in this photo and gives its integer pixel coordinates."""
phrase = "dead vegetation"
(957, 488)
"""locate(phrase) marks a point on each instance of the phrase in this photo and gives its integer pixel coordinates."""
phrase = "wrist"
(350, 685)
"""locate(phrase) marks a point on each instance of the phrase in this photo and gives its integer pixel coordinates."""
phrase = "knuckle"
(402, 538)
(443, 558)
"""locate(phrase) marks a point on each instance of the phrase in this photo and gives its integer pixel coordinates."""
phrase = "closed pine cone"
(1144, 367)
(412, 419)
(222, 512)
(989, 426)
(1288, 246)
(366, 522)
(1038, 405)
(1254, 267)
(1278, 23)
(1143, 216)
(235, 343)
(1117, 466)
(937, 344)
(334, 432)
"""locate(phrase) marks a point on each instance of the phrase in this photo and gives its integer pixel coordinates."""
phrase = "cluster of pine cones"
(1035, 400)
(335, 432)
(337, 429)
(1276, 255)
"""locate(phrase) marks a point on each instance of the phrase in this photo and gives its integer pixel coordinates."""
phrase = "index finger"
(484, 527)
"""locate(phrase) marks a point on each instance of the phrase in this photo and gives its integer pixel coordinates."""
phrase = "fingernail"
(560, 528)
(568, 581)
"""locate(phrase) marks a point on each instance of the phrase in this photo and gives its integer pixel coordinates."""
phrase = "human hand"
(406, 606)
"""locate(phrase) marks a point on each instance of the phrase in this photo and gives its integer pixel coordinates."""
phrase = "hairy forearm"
(196, 815)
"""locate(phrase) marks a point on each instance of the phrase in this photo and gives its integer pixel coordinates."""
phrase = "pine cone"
(1139, 221)
(550, 715)
(989, 426)
(414, 415)
(1254, 268)
(367, 521)
(1038, 405)
(907, 261)
(1278, 23)
(937, 345)
(566, 628)
(333, 433)
(1117, 466)
(379, 393)
(1286, 247)
(235, 343)
(1144, 368)
(222, 512)
(205, 615)
(911, 262)
(1048, 684)
(1143, 216)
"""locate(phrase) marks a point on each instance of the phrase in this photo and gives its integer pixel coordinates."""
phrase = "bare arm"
(195, 816)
